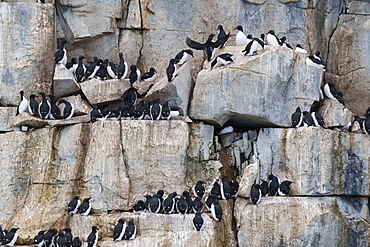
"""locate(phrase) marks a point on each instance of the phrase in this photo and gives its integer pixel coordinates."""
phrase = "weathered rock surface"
(104, 91)
(318, 161)
(82, 107)
(27, 44)
(347, 64)
(303, 221)
(6, 114)
(335, 114)
(64, 83)
(255, 91)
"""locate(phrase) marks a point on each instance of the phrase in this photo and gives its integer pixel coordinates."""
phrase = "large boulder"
(64, 82)
(255, 91)
(318, 161)
(6, 114)
(303, 221)
(27, 48)
(334, 113)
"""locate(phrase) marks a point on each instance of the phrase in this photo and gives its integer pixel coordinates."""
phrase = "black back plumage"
(131, 96)
(60, 53)
(139, 206)
(297, 117)
(216, 189)
(139, 110)
(264, 187)
(182, 206)
(44, 107)
(216, 210)
(71, 63)
(61, 241)
(154, 204)
(49, 235)
(149, 76)
(234, 187)
(225, 189)
(119, 230)
(85, 206)
(68, 235)
(10, 236)
(37, 240)
(171, 70)
(210, 200)
(285, 187)
(134, 74)
(54, 110)
(221, 35)
(80, 71)
(68, 110)
(197, 204)
(198, 221)
(92, 239)
(273, 185)
(166, 110)
(169, 203)
(155, 110)
(255, 195)
(307, 118)
(199, 189)
(95, 114)
(130, 231)
(122, 67)
(188, 200)
(74, 205)
(33, 106)
(76, 242)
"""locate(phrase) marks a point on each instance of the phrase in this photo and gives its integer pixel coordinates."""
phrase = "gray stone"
(305, 221)
(243, 91)
(200, 142)
(6, 114)
(248, 176)
(130, 44)
(27, 42)
(104, 91)
(26, 119)
(358, 8)
(82, 107)
(335, 114)
(335, 163)
(64, 83)
(227, 139)
(177, 91)
(348, 64)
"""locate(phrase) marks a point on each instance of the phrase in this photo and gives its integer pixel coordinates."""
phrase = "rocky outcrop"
(255, 91)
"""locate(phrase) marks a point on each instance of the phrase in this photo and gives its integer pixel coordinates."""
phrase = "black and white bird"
(44, 107)
(119, 230)
(2, 234)
(139, 207)
(221, 34)
(166, 111)
(95, 114)
(23, 104)
(223, 59)
(284, 44)
(188, 200)
(122, 68)
(264, 187)
(198, 221)
(71, 64)
(181, 205)
(171, 70)
(49, 237)
(111, 70)
(197, 204)
(169, 203)
(60, 55)
(102, 72)
(234, 187)
(216, 189)
(316, 61)
(92, 239)
(127, 112)
(80, 70)
(68, 235)
(284, 188)
(85, 207)
(252, 46)
(74, 205)
(210, 200)
(241, 38)
(134, 74)
(225, 189)
(130, 232)
(297, 118)
(182, 56)
(130, 96)
(93, 68)
(272, 39)
(148, 198)
(154, 204)
(149, 76)
(216, 211)
(54, 110)
(209, 46)
(68, 110)
(274, 184)
(139, 110)
(300, 49)
(33, 106)
(155, 110)
(366, 122)
(255, 195)
(331, 92)
(198, 189)
(38, 240)
(76, 242)
(61, 241)
(11, 237)
(318, 119)
(307, 119)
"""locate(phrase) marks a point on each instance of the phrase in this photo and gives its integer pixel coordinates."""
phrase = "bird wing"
(194, 44)
(220, 42)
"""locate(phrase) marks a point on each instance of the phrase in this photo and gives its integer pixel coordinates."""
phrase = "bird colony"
(135, 107)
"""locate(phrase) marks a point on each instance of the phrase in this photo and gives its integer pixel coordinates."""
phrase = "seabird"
(300, 49)
(155, 204)
(210, 200)
(80, 70)
(68, 110)
(241, 38)
(216, 189)
(197, 204)
(130, 231)
(181, 205)
(119, 230)
(216, 211)
(198, 221)
(166, 111)
(255, 195)
(122, 68)
(68, 235)
(182, 56)
(272, 39)
(139, 111)
(115, 114)
(149, 76)
(111, 70)
(127, 112)
(74, 205)
(169, 203)
(33, 106)
(76, 242)
(102, 72)
(95, 114)
(61, 53)
(198, 189)
(38, 240)
(366, 122)
(297, 118)
(221, 34)
(44, 107)
(225, 189)
(209, 46)
(307, 119)
(155, 110)
(139, 207)
(273, 185)
(188, 200)
(264, 187)
(234, 187)
(61, 241)
(223, 59)
(93, 68)
(134, 74)
(92, 239)
(49, 236)
(252, 46)
(284, 44)
(11, 237)
(171, 70)
(85, 207)
(284, 188)
(317, 119)
(131, 96)
(23, 104)
(331, 92)
(316, 61)
(72, 64)
(54, 110)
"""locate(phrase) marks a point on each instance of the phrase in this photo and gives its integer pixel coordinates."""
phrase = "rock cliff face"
(118, 162)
